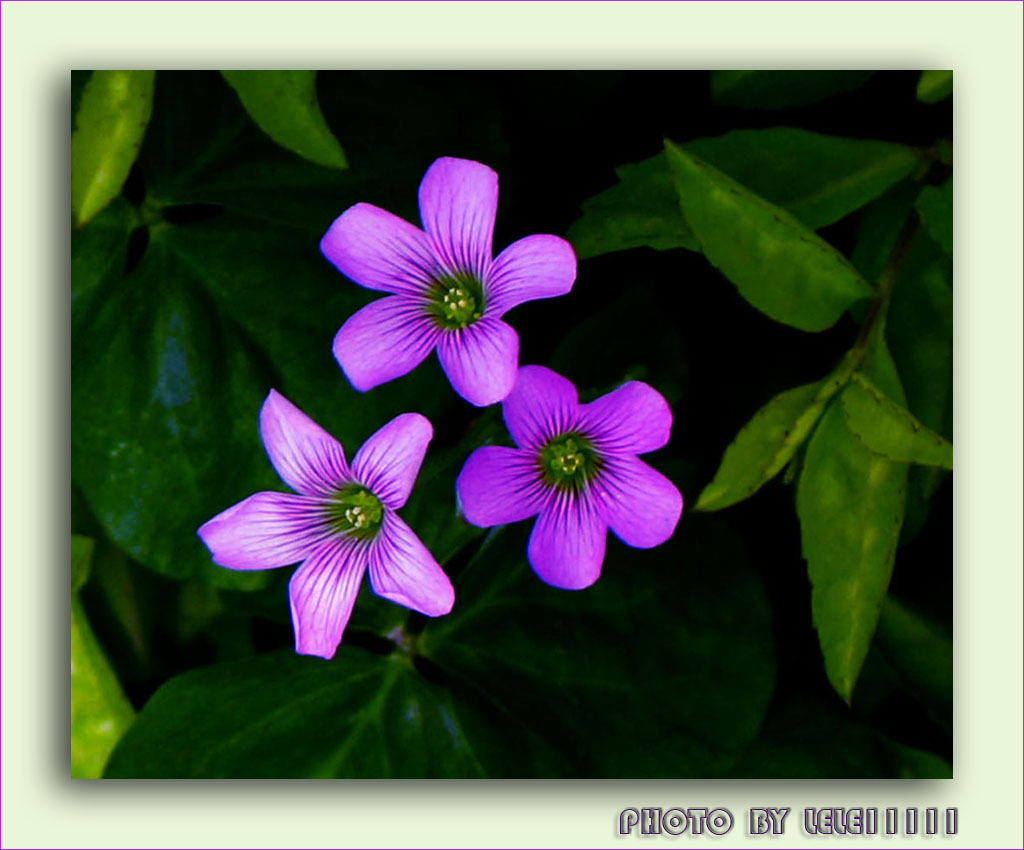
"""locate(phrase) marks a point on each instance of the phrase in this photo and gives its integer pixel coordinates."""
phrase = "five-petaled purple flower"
(576, 467)
(445, 289)
(341, 523)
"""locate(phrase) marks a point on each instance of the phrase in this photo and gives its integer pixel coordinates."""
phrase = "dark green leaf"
(112, 118)
(819, 179)
(521, 680)
(662, 668)
(922, 654)
(283, 104)
(934, 86)
(284, 716)
(803, 738)
(777, 264)
(919, 329)
(172, 361)
(850, 502)
(100, 713)
(781, 89)
(763, 446)
(935, 205)
(890, 429)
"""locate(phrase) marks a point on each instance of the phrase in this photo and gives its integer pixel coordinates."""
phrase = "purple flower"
(576, 469)
(445, 290)
(341, 524)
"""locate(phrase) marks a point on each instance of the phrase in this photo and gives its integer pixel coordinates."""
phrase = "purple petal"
(389, 461)
(542, 405)
(566, 547)
(322, 592)
(634, 419)
(266, 530)
(539, 266)
(379, 250)
(402, 570)
(458, 202)
(639, 504)
(480, 360)
(308, 459)
(498, 485)
(383, 341)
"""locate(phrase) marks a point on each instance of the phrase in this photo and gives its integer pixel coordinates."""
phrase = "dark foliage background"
(200, 287)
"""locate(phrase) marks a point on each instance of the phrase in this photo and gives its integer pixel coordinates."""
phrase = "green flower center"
(569, 461)
(355, 511)
(456, 300)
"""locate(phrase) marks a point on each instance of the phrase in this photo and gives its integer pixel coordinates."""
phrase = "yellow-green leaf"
(934, 86)
(850, 501)
(890, 429)
(100, 712)
(284, 106)
(763, 446)
(778, 264)
(111, 121)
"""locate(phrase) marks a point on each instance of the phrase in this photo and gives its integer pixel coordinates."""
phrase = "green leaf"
(661, 668)
(642, 210)
(890, 429)
(819, 179)
(781, 89)
(919, 329)
(173, 359)
(933, 86)
(112, 118)
(850, 502)
(777, 264)
(81, 556)
(100, 713)
(935, 204)
(284, 106)
(656, 670)
(922, 654)
(287, 716)
(763, 446)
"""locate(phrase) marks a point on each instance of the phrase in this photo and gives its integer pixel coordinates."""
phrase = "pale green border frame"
(42, 41)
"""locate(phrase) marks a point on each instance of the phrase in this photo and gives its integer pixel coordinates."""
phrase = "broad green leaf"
(763, 446)
(661, 668)
(781, 89)
(921, 653)
(933, 86)
(890, 429)
(935, 204)
(111, 120)
(657, 670)
(819, 179)
(850, 502)
(100, 713)
(779, 266)
(172, 360)
(284, 106)
(286, 716)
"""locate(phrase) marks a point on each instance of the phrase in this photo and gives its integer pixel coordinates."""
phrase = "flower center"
(355, 511)
(569, 461)
(456, 300)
